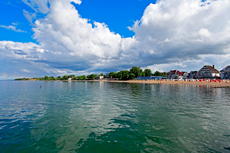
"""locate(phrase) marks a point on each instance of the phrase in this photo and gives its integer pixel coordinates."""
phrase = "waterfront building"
(99, 77)
(175, 74)
(225, 73)
(208, 72)
(193, 75)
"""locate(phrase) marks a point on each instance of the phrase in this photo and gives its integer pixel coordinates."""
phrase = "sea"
(104, 117)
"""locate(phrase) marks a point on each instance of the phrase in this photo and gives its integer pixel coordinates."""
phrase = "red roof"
(177, 72)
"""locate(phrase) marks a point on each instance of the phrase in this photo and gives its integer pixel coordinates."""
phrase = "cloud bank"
(180, 34)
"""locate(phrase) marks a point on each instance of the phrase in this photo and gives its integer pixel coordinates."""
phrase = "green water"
(98, 117)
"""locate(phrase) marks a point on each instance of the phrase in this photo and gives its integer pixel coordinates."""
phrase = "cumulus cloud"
(170, 34)
(184, 29)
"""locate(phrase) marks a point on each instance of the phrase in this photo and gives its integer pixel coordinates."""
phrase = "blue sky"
(118, 15)
(58, 37)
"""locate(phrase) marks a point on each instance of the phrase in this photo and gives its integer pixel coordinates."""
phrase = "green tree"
(131, 76)
(125, 75)
(112, 74)
(79, 78)
(65, 77)
(164, 74)
(119, 75)
(142, 74)
(92, 76)
(136, 71)
(58, 78)
(51, 78)
(157, 73)
(101, 74)
(71, 76)
(83, 77)
(46, 77)
(148, 72)
(116, 75)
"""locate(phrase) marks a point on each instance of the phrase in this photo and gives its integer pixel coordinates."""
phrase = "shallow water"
(112, 117)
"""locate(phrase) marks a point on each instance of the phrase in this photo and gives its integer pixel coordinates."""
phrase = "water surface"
(112, 117)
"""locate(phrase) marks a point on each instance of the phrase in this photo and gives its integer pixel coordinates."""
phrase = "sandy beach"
(202, 83)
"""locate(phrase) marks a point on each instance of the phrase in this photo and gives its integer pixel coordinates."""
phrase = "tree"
(142, 74)
(157, 73)
(83, 77)
(119, 75)
(51, 78)
(112, 74)
(164, 74)
(59, 78)
(136, 71)
(65, 77)
(71, 76)
(131, 76)
(92, 76)
(101, 74)
(46, 77)
(148, 72)
(79, 78)
(125, 75)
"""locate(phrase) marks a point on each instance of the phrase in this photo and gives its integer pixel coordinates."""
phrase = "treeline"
(133, 73)
(65, 77)
(18, 79)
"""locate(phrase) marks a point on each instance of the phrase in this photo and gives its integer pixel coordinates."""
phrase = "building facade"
(208, 72)
(99, 77)
(175, 74)
(193, 75)
(225, 73)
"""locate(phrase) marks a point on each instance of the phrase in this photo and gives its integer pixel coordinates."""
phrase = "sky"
(81, 37)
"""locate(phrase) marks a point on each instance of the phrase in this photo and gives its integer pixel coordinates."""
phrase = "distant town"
(206, 72)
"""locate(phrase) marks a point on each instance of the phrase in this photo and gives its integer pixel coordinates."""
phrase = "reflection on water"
(113, 117)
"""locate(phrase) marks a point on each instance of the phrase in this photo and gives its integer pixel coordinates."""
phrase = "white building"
(99, 77)
(175, 74)
(225, 73)
(208, 72)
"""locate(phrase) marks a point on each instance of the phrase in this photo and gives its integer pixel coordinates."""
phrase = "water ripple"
(113, 117)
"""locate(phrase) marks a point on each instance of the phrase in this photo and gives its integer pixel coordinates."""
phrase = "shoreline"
(163, 82)
(212, 84)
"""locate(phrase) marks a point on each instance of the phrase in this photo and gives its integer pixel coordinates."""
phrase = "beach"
(202, 83)
(172, 82)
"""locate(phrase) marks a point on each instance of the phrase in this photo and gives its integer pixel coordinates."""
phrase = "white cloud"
(29, 16)
(38, 5)
(204, 33)
(24, 70)
(170, 34)
(12, 27)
